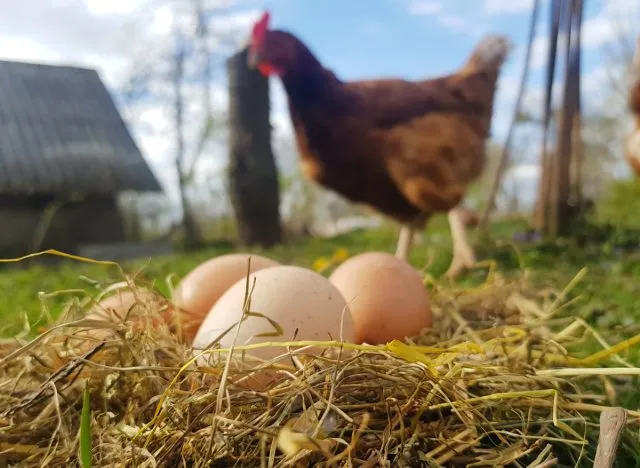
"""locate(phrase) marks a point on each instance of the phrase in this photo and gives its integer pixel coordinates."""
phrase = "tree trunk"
(253, 177)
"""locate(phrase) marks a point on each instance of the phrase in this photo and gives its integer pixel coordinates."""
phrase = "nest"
(498, 381)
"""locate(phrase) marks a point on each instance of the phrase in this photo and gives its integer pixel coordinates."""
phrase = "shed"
(65, 155)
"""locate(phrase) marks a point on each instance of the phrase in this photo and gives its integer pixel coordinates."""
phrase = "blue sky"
(387, 37)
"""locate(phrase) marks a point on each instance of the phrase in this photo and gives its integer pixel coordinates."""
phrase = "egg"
(204, 285)
(141, 308)
(295, 298)
(386, 297)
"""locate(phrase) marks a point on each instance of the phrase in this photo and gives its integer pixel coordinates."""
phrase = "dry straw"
(501, 380)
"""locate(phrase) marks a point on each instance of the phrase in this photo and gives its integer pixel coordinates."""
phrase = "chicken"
(409, 149)
(632, 143)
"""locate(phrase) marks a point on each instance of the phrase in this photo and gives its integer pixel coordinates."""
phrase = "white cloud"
(235, 22)
(622, 9)
(455, 22)
(278, 101)
(525, 171)
(454, 16)
(507, 7)
(69, 27)
(161, 21)
(119, 7)
(425, 7)
(539, 49)
(508, 86)
(27, 49)
(597, 79)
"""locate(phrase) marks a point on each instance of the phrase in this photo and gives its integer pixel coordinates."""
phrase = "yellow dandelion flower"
(340, 255)
(321, 264)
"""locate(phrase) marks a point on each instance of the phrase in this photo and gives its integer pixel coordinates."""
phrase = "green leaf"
(85, 429)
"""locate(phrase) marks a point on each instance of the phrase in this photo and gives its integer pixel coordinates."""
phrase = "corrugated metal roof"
(61, 132)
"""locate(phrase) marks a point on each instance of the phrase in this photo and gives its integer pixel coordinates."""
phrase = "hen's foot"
(463, 259)
(463, 255)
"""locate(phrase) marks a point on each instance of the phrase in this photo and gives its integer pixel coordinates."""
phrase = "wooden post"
(253, 177)
(561, 175)
(612, 422)
(547, 156)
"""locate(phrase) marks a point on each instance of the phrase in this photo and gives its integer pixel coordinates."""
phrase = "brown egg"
(141, 308)
(120, 305)
(201, 288)
(295, 298)
(386, 297)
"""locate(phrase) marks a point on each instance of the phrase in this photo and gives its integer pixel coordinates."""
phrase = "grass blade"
(85, 429)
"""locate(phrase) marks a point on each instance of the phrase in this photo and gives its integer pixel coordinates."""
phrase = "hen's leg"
(404, 242)
(463, 254)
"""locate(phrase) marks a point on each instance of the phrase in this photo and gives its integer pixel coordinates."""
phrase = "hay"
(499, 381)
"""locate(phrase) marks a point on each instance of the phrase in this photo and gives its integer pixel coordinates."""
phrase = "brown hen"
(406, 148)
(632, 143)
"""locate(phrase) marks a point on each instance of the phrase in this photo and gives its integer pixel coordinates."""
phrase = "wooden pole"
(504, 158)
(544, 186)
(560, 189)
(612, 422)
(252, 171)
(578, 147)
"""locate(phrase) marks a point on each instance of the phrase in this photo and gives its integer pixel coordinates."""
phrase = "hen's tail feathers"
(634, 96)
(632, 143)
(491, 52)
(632, 151)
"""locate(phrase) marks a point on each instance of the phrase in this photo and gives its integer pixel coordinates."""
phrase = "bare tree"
(177, 71)
(191, 235)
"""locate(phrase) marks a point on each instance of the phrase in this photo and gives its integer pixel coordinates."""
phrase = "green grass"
(608, 292)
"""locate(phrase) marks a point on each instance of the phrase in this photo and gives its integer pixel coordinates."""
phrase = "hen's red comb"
(260, 28)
